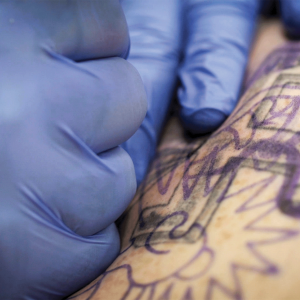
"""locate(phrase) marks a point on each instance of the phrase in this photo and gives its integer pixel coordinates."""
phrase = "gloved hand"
(290, 12)
(63, 178)
(213, 37)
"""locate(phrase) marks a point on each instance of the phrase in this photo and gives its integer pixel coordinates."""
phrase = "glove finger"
(45, 152)
(219, 37)
(44, 260)
(102, 101)
(85, 191)
(290, 11)
(79, 30)
(155, 50)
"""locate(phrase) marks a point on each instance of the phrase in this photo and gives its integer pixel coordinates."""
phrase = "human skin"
(218, 217)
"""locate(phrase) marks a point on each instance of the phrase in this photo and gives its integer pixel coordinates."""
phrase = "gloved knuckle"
(133, 82)
(125, 163)
(125, 175)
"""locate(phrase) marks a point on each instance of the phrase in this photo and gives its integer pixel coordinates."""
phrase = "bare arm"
(218, 217)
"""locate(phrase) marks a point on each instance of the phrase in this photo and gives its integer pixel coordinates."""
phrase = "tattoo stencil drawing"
(208, 181)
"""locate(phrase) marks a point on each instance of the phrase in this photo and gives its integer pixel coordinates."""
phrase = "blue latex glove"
(213, 36)
(290, 12)
(58, 198)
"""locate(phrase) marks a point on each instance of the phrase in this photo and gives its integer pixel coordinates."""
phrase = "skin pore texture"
(218, 216)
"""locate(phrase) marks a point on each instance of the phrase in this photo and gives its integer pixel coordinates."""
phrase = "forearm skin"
(218, 217)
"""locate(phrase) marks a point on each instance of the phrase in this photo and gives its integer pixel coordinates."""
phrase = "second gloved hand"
(213, 37)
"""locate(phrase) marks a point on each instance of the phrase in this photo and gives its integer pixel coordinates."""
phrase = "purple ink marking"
(188, 294)
(161, 187)
(167, 293)
(177, 213)
(269, 148)
(282, 58)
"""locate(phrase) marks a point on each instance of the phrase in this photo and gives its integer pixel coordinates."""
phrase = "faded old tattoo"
(218, 217)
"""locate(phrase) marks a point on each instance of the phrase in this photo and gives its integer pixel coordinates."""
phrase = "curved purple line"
(148, 240)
